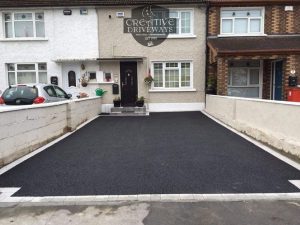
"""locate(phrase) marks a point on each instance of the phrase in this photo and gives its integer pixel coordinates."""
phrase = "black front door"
(128, 71)
(72, 79)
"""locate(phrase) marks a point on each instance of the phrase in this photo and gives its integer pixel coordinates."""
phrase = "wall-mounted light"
(67, 12)
(83, 11)
(293, 72)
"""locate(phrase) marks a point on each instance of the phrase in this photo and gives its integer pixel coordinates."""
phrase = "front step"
(129, 111)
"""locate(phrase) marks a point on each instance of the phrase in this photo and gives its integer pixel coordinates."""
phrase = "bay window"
(244, 79)
(27, 73)
(184, 20)
(172, 75)
(242, 21)
(24, 25)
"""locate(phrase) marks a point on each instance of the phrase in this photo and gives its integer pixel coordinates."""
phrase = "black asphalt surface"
(165, 153)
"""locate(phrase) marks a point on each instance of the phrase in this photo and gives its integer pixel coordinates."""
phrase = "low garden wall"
(23, 129)
(275, 123)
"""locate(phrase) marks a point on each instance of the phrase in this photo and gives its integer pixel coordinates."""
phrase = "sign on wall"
(150, 25)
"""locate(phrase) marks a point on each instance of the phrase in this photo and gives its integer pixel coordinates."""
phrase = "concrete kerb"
(111, 199)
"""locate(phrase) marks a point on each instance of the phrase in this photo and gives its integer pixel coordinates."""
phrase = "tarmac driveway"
(165, 153)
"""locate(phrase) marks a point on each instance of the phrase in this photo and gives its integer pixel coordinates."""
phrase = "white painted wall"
(67, 37)
(273, 122)
(26, 128)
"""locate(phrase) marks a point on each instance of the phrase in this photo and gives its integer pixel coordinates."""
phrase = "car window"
(20, 92)
(50, 91)
(60, 92)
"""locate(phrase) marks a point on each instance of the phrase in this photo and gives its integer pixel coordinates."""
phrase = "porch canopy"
(253, 46)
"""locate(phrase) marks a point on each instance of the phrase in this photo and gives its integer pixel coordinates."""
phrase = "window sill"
(181, 36)
(172, 90)
(242, 35)
(22, 39)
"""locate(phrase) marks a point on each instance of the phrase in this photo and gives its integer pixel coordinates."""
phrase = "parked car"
(29, 94)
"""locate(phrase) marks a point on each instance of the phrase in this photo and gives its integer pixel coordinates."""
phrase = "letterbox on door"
(115, 89)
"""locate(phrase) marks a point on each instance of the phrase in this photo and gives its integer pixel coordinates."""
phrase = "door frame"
(135, 77)
(273, 77)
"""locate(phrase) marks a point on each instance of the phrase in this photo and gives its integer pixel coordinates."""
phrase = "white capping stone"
(170, 197)
(186, 197)
(128, 197)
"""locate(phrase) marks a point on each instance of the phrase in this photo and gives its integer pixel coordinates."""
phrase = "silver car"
(29, 94)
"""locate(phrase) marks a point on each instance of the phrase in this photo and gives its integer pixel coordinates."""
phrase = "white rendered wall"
(273, 122)
(67, 37)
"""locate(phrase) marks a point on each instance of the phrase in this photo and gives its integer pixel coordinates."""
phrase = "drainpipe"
(206, 49)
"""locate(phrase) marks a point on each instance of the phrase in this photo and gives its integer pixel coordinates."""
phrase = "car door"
(51, 94)
(61, 95)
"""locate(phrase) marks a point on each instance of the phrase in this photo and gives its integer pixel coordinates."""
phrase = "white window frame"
(262, 25)
(260, 85)
(13, 24)
(183, 35)
(16, 71)
(163, 88)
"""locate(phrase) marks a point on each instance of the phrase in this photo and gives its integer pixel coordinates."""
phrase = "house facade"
(253, 47)
(43, 44)
(177, 64)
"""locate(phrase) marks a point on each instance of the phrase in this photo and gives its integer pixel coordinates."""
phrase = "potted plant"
(140, 101)
(148, 80)
(117, 102)
(211, 85)
(84, 80)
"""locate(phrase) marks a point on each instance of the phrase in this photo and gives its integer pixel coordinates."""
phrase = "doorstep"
(128, 111)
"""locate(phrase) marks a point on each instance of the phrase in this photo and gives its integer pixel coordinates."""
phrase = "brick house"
(253, 47)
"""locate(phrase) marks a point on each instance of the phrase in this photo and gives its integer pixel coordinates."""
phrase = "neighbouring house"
(253, 47)
(47, 41)
(177, 64)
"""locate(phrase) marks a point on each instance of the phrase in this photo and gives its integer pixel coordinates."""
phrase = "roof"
(57, 3)
(252, 2)
(255, 45)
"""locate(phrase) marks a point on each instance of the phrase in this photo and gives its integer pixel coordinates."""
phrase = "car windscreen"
(20, 95)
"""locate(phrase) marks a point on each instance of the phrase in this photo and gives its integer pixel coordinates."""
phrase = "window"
(27, 73)
(172, 75)
(50, 91)
(184, 20)
(244, 79)
(242, 21)
(24, 25)
(60, 93)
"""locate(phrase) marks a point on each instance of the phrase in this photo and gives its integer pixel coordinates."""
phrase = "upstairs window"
(24, 25)
(242, 21)
(184, 20)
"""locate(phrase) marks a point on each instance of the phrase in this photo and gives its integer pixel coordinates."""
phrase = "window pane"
(10, 67)
(239, 76)
(7, 17)
(185, 75)
(241, 26)
(254, 76)
(11, 78)
(26, 77)
(59, 92)
(254, 13)
(40, 29)
(39, 16)
(8, 30)
(26, 66)
(255, 25)
(227, 26)
(24, 29)
(43, 77)
(171, 65)
(50, 91)
(241, 13)
(158, 75)
(185, 22)
(42, 66)
(227, 13)
(248, 92)
(174, 14)
(172, 78)
(23, 16)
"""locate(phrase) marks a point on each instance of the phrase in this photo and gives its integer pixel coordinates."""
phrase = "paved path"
(165, 153)
(206, 213)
